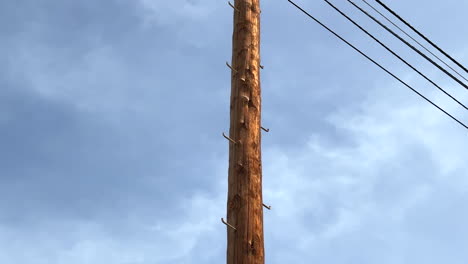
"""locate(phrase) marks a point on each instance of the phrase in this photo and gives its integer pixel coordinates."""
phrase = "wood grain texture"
(244, 204)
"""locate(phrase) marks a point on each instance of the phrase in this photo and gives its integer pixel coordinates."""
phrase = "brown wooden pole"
(244, 204)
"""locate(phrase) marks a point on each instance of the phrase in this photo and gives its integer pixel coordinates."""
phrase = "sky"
(111, 114)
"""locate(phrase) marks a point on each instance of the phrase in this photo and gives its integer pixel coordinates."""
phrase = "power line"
(421, 35)
(376, 63)
(409, 45)
(419, 43)
(396, 55)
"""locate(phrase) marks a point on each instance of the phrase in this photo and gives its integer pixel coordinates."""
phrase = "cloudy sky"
(111, 114)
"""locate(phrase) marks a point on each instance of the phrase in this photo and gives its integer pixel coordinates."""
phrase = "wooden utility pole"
(244, 204)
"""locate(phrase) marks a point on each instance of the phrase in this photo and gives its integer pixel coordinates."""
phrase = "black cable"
(409, 45)
(376, 63)
(419, 43)
(421, 35)
(394, 54)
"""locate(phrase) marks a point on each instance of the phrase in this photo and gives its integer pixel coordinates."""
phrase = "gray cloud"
(111, 115)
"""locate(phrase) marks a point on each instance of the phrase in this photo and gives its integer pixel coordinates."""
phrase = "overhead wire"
(415, 40)
(395, 54)
(421, 35)
(409, 45)
(376, 63)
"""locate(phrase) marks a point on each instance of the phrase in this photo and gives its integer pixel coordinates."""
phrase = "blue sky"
(111, 114)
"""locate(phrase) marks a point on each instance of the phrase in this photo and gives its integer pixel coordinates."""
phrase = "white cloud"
(174, 12)
(325, 192)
